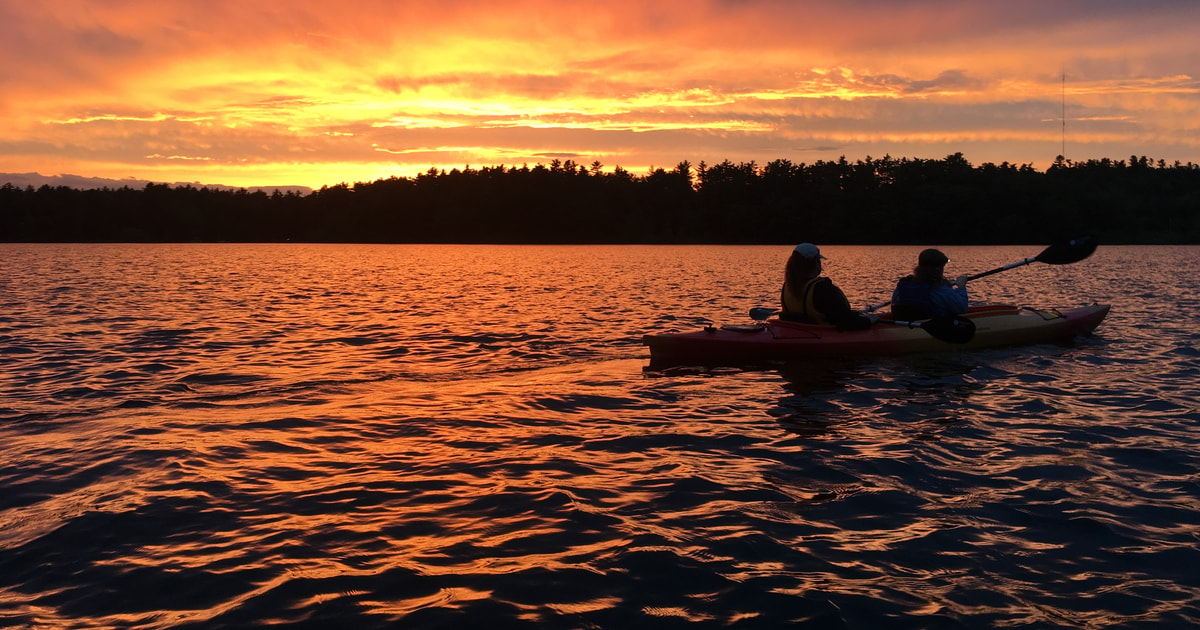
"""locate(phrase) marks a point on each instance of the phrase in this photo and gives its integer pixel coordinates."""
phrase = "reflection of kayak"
(995, 325)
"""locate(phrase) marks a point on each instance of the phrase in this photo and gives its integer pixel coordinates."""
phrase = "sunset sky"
(312, 93)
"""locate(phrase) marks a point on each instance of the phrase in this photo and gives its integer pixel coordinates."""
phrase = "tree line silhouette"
(870, 201)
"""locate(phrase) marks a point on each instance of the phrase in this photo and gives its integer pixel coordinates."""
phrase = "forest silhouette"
(869, 201)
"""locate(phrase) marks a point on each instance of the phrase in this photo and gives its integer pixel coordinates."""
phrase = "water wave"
(220, 436)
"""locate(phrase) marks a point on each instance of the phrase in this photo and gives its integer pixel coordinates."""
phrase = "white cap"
(808, 250)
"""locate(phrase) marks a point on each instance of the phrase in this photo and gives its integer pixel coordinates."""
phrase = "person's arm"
(833, 303)
(950, 299)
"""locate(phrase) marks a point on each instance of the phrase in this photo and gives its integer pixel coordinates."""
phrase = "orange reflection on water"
(384, 433)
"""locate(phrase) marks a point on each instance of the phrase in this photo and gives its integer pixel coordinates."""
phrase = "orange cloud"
(237, 91)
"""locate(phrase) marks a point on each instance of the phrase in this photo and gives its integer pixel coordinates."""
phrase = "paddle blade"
(1067, 252)
(950, 328)
(760, 313)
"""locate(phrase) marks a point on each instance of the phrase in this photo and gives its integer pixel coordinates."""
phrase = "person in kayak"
(811, 298)
(926, 292)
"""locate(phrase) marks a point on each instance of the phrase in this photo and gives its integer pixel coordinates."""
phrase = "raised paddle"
(1060, 253)
(948, 328)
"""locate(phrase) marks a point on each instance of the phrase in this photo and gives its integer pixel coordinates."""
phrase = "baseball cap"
(932, 258)
(808, 250)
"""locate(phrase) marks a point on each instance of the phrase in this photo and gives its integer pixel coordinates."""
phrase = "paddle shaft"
(875, 307)
(989, 272)
(948, 328)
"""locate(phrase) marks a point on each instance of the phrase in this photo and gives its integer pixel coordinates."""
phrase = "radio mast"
(1064, 115)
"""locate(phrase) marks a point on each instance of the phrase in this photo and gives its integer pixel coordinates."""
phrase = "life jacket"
(798, 303)
(911, 299)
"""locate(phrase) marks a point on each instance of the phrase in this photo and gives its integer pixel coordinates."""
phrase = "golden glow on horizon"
(231, 94)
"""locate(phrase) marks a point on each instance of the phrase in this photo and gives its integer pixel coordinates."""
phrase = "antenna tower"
(1064, 115)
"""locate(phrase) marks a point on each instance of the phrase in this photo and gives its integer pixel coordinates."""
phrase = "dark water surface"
(230, 436)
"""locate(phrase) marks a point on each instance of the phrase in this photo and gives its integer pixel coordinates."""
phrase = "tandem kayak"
(995, 325)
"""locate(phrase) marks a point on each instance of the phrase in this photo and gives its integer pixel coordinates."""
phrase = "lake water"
(230, 436)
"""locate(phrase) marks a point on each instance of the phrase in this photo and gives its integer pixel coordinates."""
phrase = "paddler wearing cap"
(809, 297)
(926, 292)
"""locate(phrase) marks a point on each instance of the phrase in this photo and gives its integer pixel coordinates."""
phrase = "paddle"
(948, 328)
(761, 313)
(1060, 253)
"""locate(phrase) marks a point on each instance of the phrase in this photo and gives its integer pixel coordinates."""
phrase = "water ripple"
(248, 435)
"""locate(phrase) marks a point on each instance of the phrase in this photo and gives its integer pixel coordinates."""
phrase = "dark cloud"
(956, 79)
(37, 180)
(103, 42)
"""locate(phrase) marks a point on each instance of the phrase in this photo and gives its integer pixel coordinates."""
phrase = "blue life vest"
(911, 299)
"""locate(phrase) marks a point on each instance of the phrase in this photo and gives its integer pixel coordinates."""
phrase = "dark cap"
(932, 258)
(808, 250)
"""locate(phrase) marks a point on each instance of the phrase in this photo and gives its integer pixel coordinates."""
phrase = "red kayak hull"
(995, 326)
